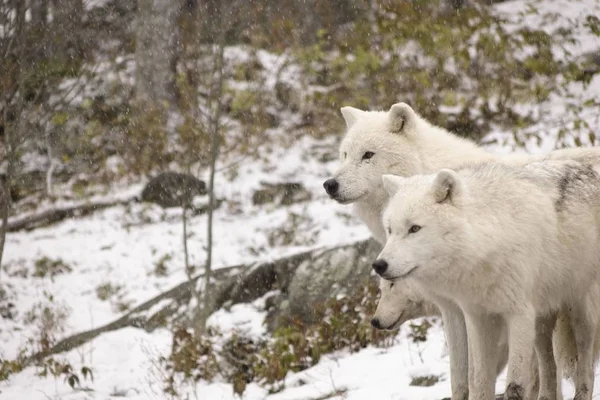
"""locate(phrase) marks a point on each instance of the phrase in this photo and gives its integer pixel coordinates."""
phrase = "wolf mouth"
(397, 278)
(343, 201)
(346, 200)
(396, 323)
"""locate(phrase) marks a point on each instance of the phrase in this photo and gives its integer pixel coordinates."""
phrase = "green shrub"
(417, 53)
(294, 346)
(45, 266)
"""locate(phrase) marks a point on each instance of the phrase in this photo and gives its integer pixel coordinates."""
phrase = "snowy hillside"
(86, 272)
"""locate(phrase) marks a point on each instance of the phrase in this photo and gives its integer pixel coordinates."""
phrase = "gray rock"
(173, 189)
(327, 274)
(303, 281)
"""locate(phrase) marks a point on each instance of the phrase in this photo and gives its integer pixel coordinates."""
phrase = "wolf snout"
(331, 186)
(380, 266)
(375, 323)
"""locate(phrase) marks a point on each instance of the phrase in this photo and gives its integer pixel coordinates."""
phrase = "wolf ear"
(392, 183)
(447, 186)
(351, 115)
(401, 117)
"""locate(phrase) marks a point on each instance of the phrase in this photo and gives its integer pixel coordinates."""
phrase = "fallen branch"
(48, 217)
(134, 318)
(55, 215)
(232, 285)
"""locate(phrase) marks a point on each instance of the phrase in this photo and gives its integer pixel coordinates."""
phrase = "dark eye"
(389, 230)
(368, 155)
(414, 229)
(391, 285)
(345, 155)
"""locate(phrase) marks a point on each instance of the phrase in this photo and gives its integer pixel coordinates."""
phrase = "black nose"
(375, 323)
(380, 266)
(331, 186)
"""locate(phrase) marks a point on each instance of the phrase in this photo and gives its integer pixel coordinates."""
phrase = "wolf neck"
(435, 149)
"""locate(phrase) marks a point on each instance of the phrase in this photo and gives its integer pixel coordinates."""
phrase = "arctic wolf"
(395, 307)
(402, 143)
(506, 243)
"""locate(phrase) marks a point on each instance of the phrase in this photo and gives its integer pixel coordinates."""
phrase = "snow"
(554, 15)
(122, 364)
(121, 246)
(244, 319)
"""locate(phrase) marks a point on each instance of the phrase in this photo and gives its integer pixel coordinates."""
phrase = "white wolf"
(400, 142)
(512, 244)
(395, 306)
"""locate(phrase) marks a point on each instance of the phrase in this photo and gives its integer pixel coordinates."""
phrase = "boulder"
(324, 275)
(173, 189)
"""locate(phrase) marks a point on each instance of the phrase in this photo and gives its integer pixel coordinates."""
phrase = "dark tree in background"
(35, 54)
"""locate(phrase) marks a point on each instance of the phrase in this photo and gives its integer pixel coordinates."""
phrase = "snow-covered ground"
(119, 249)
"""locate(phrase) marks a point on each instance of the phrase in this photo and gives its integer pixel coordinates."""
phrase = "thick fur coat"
(402, 143)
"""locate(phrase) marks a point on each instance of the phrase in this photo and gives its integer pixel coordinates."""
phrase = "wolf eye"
(414, 229)
(345, 154)
(391, 285)
(389, 230)
(368, 155)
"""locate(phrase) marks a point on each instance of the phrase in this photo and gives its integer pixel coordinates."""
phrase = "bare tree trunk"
(51, 166)
(5, 203)
(156, 51)
(5, 199)
(186, 256)
(205, 309)
(12, 103)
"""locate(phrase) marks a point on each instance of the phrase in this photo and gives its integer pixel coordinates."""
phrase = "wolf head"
(425, 226)
(376, 143)
(396, 305)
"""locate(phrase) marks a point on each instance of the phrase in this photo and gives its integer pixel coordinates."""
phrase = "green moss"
(60, 118)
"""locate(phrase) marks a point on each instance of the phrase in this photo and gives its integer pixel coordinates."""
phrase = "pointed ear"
(392, 183)
(401, 118)
(351, 115)
(447, 186)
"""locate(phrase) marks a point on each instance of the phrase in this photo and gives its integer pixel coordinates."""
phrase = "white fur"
(417, 148)
(512, 244)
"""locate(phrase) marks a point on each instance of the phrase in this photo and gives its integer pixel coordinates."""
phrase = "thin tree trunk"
(204, 309)
(186, 256)
(5, 186)
(5, 201)
(51, 166)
